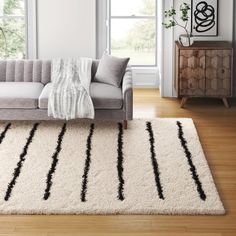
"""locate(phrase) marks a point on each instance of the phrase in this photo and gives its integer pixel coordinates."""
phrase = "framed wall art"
(204, 18)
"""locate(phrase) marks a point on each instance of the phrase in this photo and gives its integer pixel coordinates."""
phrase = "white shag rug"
(155, 167)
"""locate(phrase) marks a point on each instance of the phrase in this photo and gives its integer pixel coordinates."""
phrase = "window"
(12, 29)
(132, 30)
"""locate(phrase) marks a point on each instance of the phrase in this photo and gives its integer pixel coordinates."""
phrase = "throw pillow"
(111, 70)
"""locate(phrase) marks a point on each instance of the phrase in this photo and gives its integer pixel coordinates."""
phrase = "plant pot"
(186, 40)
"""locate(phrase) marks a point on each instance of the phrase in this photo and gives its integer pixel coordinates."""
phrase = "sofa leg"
(125, 124)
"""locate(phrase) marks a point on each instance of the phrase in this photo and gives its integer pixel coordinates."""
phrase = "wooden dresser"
(204, 70)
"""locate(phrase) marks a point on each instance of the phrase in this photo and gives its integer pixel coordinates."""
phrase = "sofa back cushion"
(25, 71)
(30, 70)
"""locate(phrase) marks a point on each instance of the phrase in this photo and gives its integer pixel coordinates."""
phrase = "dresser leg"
(183, 102)
(226, 103)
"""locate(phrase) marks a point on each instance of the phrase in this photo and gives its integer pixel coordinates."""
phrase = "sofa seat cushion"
(104, 96)
(20, 94)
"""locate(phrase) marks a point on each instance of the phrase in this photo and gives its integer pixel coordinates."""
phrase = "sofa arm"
(127, 90)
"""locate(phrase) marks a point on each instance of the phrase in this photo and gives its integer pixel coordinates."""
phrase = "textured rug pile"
(155, 167)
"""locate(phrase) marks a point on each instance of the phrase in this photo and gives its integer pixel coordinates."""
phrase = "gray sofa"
(25, 86)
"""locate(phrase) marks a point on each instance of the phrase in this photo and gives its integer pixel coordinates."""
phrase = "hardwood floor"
(216, 126)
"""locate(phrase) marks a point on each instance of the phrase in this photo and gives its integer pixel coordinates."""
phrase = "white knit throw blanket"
(70, 96)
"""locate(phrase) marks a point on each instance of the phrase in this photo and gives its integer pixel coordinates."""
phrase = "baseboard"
(145, 85)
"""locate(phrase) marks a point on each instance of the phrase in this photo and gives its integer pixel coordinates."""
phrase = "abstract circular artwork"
(205, 17)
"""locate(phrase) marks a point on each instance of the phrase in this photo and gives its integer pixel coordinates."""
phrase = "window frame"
(108, 25)
(31, 29)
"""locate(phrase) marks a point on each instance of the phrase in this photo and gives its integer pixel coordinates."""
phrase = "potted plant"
(185, 40)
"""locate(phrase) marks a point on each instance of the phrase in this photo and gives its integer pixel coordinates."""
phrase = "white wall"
(225, 22)
(66, 28)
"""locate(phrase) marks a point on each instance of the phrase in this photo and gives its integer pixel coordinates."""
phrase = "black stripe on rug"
(188, 155)
(3, 134)
(87, 164)
(154, 160)
(120, 160)
(19, 166)
(55, 160)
